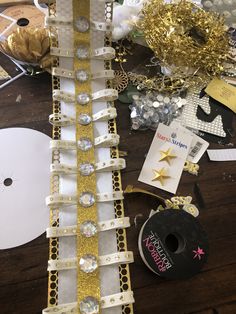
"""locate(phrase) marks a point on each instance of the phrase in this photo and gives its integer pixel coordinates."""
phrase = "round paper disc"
(24, 183)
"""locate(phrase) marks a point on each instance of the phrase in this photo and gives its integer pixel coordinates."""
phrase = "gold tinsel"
(29, 45)
(184, 36)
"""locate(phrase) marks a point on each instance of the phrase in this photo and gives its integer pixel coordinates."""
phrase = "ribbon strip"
(118, 223)
(58, 119)
(103, 166)
(57, 200)
(108, 94)
(103, 53)
(113, 300)
(105, 260)
(67, 23)
(108, 140)
(107, 74)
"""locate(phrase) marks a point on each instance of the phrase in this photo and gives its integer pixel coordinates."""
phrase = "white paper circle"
(24, 183)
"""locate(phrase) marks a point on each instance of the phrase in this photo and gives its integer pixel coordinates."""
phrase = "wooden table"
(23, 275)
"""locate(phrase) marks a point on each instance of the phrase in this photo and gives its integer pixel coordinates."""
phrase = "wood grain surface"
(23, 275)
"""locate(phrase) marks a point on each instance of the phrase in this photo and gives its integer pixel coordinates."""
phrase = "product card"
(198, 145)
(166, 157)
(222, 92)
(12, 71)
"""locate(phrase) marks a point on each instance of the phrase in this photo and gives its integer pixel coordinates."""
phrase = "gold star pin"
(160, 175)
(167, 155)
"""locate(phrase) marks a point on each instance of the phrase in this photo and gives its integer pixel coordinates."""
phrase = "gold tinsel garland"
(183, 36)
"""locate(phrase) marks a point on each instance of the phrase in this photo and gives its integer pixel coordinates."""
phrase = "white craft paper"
(222, 154)
(25, 159)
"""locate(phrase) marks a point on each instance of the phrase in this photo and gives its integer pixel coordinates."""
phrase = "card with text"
(165, 159)
(198, 145)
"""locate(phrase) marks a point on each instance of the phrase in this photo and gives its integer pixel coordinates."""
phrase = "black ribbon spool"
(173, 244)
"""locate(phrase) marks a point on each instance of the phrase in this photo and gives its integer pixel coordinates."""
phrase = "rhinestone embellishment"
(83, 99)
(86, 169)
(82, 76)
(88, 228)
(88, 263)
(89, 305)
(82, 24)
(86, 199)
(84, 144)
(84, 119)
(82, 52)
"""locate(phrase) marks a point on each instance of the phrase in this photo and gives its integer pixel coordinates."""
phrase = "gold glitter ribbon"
(87, 284)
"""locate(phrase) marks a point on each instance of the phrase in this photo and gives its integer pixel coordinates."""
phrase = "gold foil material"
(3, 74)
(87, 284)
(184, 37)
(30, 45)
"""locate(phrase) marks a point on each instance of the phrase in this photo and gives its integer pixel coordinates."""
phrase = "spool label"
(157, 252)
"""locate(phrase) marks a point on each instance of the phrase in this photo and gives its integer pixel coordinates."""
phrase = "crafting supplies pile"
(192, 54)
(183, 90)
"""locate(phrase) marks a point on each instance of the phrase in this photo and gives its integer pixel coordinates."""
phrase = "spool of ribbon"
(173, 244)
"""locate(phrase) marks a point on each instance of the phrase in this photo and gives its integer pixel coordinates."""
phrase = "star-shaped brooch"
(167, 155)
(160, 175)
(198, 253)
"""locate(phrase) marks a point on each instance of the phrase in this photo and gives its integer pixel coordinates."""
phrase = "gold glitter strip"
(87, 284)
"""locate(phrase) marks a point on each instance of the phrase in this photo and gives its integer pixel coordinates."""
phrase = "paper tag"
(222, 92)
(165, 174)
(198, 145)
(222, 154)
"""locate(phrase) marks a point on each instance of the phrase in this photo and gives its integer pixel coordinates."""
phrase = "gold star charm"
(160, 175)
(166, 155)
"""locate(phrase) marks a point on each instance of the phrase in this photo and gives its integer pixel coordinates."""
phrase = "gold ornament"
(184, 37)
(159, 82)
(191, 167)
(120, 82)
(176, 202)
(160, 175)
(167, 155)
(29, 45)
